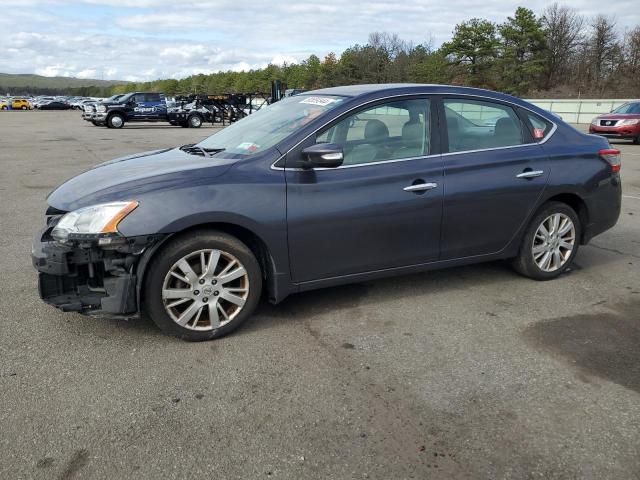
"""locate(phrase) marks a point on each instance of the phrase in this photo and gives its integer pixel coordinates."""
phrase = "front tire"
(202, 286)
(636, 140)
(115, 120)
(550, 242)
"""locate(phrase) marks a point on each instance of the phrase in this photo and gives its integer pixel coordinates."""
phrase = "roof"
(382, 90)
(355, 90)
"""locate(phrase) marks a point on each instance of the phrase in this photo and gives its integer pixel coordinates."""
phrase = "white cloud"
(147, 39)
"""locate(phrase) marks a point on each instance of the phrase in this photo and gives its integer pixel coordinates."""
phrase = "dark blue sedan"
(324, 188)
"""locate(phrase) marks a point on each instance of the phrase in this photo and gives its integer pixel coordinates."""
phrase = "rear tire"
(550, 242)
(636, 141)
(220, 287)
(195, 121)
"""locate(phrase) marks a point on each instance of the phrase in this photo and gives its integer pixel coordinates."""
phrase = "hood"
(618, 116)
(130, 177)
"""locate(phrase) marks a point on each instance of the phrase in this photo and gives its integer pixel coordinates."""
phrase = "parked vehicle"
(622, 123)
(132, 107)
(79, 102)
(189, 112)
(55, 105)
(15, 104)
(89, 108)
(41, 101)
(320, 189)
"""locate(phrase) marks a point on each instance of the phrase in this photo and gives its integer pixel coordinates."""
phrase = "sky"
(141, 40)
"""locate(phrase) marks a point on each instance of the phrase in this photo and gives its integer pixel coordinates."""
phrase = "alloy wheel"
(205, 290)
(553, 242)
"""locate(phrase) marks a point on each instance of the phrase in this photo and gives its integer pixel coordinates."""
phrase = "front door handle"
(420, 187)
(530, 174)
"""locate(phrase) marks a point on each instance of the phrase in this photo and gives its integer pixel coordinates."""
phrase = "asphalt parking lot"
(471, 372)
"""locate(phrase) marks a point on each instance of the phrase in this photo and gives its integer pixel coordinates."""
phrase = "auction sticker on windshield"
(249, 146)
(322, 101)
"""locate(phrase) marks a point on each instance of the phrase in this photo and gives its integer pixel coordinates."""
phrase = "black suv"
(132, 107)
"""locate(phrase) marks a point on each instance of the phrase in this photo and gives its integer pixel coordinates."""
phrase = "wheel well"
(246, 236)
(575, 202)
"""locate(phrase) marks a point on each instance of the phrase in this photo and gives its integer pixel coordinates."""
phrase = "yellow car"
(21, 104)
(16, 104)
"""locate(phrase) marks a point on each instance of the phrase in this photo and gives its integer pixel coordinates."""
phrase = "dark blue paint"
(325, 227)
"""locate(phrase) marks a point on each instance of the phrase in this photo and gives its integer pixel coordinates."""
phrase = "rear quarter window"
(540, 127)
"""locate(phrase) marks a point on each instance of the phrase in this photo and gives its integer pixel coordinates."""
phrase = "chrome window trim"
(462, 152)
(393, 160)
(489, 99)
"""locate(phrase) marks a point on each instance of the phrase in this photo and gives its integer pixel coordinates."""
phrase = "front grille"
(608, 123)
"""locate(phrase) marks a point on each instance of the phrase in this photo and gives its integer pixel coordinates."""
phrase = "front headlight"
(630, 121)
(594, 121)
(101, 109)
(92, 221)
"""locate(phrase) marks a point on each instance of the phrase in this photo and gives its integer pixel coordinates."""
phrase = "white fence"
(578, 111)
(571, 110)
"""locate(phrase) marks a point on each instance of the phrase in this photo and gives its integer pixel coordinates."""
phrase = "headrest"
(376, 130)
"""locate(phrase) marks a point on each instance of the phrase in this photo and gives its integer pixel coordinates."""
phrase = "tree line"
(89, 91)
(556, 53)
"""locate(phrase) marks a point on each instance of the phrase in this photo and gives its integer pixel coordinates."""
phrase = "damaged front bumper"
(93, 276)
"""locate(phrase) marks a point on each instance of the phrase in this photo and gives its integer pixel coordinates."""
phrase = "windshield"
(628, 108)
(113, 98)
(268, 126)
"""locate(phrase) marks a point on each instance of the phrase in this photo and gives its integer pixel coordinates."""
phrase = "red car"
(623, 122)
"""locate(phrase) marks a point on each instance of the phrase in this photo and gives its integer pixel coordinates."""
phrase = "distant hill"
(38, 84)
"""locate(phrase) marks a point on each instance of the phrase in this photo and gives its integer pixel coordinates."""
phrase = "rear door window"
(479, 125)
(152, 97)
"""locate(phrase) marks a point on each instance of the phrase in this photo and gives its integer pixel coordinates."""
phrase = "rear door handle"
(530, 174)
(420, 187)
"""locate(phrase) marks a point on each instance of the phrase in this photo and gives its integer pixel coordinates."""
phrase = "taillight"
(613, 157)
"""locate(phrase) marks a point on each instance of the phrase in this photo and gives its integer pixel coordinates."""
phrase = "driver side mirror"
(323, 155)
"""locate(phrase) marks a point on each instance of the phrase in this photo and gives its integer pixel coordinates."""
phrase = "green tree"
(473, 50)
(524, 49)
(427, 66)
